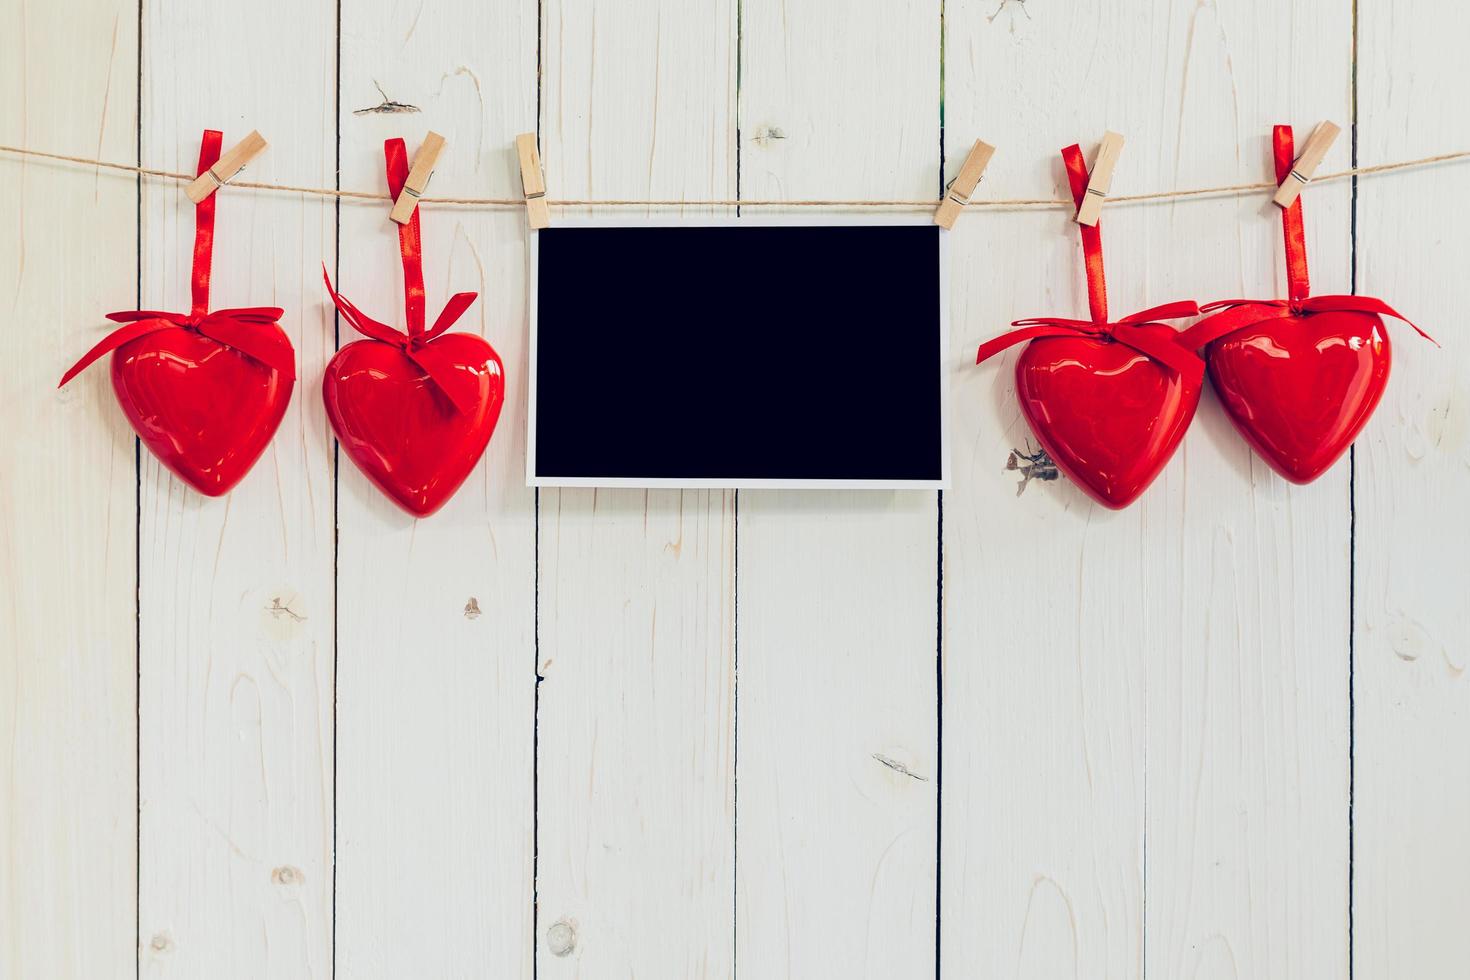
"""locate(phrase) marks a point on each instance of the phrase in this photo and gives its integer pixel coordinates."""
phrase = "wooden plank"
(67, 507)
(838, 766)
(636, 600)
(1247, 714)
(436, 658)
(1412, 625)
(236, 594)
(1160, 691)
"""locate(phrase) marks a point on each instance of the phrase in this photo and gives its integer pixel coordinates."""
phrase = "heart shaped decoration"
(1108, 401)
(414, 408)
(1301, 387)
(1299, 377)
(207, 411)
(398, 425)
(1109, 415)
(205, 391)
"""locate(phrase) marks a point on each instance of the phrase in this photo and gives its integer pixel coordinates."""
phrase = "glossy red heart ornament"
(1301, 386)
(398, 425)
(205, 391)
(207, 411)
(1109, 415)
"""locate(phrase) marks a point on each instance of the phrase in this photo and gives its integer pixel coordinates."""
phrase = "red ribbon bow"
(239, 329)
(1128, 331)
(1238, 313)
(461, 387)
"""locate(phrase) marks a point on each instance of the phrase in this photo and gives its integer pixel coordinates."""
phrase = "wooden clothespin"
(1100, 178)
(1306, 163)
(226, 167)
(418, 178)
(532, 182)
(957, 194)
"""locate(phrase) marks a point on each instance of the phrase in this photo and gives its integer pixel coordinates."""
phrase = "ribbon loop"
(209, 149)
(410, 244)
(1097, 287)
(1298, 285)
(461, 387)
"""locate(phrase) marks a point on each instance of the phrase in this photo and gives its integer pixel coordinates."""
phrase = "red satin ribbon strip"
(1237, 313)
(411, 246)
(461, 387)
(239, 329)
(209, 148)
(1097, 286)
(1298, 285)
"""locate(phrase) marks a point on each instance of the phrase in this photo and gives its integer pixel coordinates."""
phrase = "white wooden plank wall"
(838, 751)
(1411, 867)
(435, 666)
(235, 595)
(293, 733)
(636, 612)
(68, 499)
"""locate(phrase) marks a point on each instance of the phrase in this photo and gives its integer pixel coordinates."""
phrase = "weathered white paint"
(636, 588)
(1146, 712)
(1412, 624)
(838, 612)
(235, 594)
(1146, 735)
(67, 506)
(436, 665)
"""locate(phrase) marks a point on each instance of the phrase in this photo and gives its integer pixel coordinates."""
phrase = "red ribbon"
(239, 329)
(1128, 331)
(1239, 313)
(1298, 286)
(461, 387)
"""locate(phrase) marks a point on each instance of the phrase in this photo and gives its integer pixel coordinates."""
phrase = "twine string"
(1003, 203)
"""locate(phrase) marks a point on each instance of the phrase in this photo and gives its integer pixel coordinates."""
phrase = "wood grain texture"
(1148, 757)
(636, 589)
(1153, 730)
(67, 499)
(838, 603)
(1412, 628)
(1246, 683)
(236, 597)
(436, 657)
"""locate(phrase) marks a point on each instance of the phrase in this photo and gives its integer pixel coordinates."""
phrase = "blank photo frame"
(741, 352)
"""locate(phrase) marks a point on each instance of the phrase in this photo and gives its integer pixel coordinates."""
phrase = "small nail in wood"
(957, 194)
(418, 178)
(532, 182)
(1306, 163)
(225, 168)
(1100, 178)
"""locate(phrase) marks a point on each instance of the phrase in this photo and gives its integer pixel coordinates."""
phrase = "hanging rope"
(506, 202)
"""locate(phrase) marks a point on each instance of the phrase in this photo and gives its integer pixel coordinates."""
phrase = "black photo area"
(739, 353)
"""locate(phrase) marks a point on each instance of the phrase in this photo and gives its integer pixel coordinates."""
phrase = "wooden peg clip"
(1306, 163)
(231, 163)
(532, 182)
(957, 194)
(418, 178)
(1100, 178)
